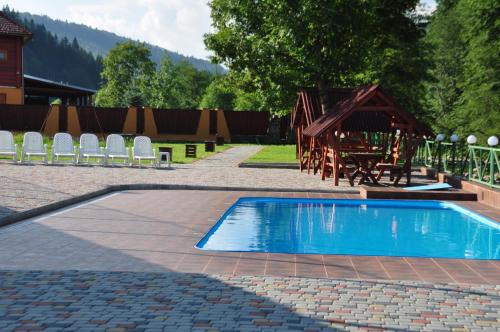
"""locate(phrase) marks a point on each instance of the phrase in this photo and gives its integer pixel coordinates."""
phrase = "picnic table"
(365, 163)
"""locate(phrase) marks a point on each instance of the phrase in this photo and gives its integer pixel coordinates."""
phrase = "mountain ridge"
(99, 42)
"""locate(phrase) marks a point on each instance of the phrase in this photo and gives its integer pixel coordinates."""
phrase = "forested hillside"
(56, 59)
(99, 42)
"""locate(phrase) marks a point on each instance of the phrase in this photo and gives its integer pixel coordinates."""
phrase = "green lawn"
(178, 148)
(274, 154)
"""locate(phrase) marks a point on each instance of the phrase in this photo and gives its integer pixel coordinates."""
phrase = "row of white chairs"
(89, 148)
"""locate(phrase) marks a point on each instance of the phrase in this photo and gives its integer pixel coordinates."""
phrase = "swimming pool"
(354, 227)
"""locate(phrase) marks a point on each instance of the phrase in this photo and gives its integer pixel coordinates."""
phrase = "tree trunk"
(324, 97)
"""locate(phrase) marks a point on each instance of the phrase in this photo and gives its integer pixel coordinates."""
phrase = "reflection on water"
(290, 227)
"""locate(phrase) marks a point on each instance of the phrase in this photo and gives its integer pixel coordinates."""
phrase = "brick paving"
(24, 187)
(156, 231)
(140, 301)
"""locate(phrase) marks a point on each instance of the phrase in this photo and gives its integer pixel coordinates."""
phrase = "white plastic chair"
(33, 146)
(7, 145)
(63, 147)
(89, 148)
(143, 150)
(115, 149)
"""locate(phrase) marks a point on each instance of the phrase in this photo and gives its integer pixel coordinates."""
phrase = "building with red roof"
(12, 38)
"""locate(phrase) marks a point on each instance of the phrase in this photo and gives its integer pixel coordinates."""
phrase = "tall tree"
(179, 85)
(287, 44)
(479, 107)
(464, 92)
(447, 72)
(162, 95)
(219, 95)
(128, 72)
(398, 55)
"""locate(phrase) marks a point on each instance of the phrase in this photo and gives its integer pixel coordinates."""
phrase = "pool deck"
(156, 231)
(127, 262)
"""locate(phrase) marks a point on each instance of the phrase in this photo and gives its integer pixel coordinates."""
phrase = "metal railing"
(425, 154)
(475, 163)
(484, 166)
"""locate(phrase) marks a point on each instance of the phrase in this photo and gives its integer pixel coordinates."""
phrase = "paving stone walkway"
(24, 187)
(125, 301)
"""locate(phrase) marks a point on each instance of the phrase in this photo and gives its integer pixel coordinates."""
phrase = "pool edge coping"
(40, 210)
(444, 204)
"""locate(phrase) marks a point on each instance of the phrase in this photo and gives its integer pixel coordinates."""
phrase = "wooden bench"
(190, 151)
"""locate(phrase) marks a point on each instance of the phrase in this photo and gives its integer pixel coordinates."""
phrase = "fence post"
(150, 129)
(73, 122)
(203, 130)
(492, 167)
(130, 125)
(222, 126)
(471, 155)
(439, 155)
(453, 152)
(51, 125)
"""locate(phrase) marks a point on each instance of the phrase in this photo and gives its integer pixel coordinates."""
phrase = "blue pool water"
(354, 227)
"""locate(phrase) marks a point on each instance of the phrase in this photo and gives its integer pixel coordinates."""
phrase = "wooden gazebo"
(306, 110)
(366, 130)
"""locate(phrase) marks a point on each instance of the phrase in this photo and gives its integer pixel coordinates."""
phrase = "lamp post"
(454, 140)
(492, 142)
(439, 139)
(471, 140)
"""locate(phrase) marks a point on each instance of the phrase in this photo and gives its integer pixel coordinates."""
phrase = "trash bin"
(209, 146)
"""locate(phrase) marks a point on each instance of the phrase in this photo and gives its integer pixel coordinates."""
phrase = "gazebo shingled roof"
(361, 116)
(309, 102)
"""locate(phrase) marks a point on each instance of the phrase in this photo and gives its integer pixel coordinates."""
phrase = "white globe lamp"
(440, 137)
(454, 138)
(471, 139)
(493, 141)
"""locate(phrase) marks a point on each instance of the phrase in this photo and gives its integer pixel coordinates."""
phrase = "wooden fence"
(159, 124)
(22, 117)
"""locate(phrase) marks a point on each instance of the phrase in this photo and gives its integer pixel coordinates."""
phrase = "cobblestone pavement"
(124, 301)
(24, 187)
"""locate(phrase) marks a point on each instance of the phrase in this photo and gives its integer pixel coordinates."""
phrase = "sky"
(177, 25)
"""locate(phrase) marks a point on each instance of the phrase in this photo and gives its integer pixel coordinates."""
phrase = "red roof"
(358, 98)
(11, 28)
(309, 102)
